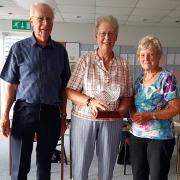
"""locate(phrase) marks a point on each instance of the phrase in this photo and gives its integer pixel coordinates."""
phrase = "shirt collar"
(97, 57)
(96, 54)
(34, 41)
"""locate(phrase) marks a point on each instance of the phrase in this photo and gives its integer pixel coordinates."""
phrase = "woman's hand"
(141, 117)
(96, 105)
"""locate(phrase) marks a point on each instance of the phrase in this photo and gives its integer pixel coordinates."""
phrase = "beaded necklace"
(153, 75)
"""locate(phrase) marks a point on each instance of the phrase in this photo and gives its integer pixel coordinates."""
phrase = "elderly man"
(36, 72)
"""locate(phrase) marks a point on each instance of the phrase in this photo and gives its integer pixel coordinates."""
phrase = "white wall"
(128, 35)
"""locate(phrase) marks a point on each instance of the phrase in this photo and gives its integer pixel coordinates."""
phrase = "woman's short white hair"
(110, 19)
(150, 42)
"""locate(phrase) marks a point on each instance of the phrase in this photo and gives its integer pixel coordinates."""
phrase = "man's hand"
(5, 126)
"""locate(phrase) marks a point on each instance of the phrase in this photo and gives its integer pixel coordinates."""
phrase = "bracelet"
(153, 115)
(88, 101)
(63, 115)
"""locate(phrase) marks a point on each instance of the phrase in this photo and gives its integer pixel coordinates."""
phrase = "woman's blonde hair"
(109, 19)
(150, 42)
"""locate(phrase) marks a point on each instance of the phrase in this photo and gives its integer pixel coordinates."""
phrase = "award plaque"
(108, 114)
(110, 94)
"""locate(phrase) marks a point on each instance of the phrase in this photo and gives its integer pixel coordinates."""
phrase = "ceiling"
(128, 12)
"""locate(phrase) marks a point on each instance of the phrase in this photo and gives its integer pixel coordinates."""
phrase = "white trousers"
(86, 136)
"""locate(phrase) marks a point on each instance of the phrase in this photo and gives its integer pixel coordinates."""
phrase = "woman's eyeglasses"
(104, 34)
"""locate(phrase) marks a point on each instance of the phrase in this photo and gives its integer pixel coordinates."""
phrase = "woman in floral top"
(156, 102)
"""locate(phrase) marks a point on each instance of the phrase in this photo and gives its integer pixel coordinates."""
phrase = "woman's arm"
(84, 100)
(125, 105)
(171, 110)
(77, 97)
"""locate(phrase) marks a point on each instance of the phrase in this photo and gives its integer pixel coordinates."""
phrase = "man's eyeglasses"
(109, 34)
(42, 19)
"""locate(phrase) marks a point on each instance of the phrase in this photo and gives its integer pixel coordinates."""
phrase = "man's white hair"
(35, 5)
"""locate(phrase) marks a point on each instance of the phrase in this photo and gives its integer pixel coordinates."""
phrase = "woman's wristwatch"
(88, 101)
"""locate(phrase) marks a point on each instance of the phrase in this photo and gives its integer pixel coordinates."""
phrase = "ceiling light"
(27, 4)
